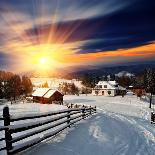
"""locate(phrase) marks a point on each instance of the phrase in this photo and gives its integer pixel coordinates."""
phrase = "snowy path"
(121, 127)
(102, 134)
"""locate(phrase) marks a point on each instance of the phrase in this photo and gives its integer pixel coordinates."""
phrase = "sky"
(44, 35)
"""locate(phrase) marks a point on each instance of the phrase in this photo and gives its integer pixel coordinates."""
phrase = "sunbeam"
(51, 34)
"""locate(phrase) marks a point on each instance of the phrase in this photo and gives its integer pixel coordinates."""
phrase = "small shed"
(138, 90)
(47, 95)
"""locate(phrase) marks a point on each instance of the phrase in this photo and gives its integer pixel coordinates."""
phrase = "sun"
(43, 60)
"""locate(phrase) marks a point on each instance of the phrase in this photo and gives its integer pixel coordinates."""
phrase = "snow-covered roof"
(130, 86)
(113, 82)
(108, 83)
(40, 92)
(50, 93)
(44, 92)
(121, 88)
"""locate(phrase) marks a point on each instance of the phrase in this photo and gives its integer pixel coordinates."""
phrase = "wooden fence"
(60, 119)
(152, 117)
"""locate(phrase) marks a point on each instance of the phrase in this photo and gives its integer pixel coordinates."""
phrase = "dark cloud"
(110, 44)
(131, 27)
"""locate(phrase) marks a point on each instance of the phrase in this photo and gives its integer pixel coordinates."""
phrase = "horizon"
(46, 36)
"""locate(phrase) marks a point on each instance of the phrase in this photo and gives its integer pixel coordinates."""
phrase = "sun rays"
(42, 37)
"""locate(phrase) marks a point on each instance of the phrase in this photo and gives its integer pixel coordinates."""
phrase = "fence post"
(152, 117)
(8, 136)
(68, 118)
(83, 112)
(90, 110)
(95, 109)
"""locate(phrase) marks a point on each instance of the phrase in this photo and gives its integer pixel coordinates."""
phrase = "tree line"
(68, 88)
(12, 86)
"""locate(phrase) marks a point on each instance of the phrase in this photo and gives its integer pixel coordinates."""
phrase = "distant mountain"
(75, 72)
(124, 73)
(133, 69)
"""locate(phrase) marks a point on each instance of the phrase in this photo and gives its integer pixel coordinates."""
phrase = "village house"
(47, 95)
(137, 90)
(108, 88)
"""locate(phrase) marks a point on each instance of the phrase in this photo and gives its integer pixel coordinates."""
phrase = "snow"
(23, 109)
(40, 92)
(107, 83)
(99, 135)
(113, 82)
(2, 101)
(121, 127)
(129, 105)
(110, 85)
(54, 83)
(124, 73)
(44, 92)
(121, 88)
(50, 93)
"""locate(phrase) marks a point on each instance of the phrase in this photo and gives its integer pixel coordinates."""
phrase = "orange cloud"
(145, 51)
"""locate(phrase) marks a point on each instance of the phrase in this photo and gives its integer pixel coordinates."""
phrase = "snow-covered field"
(128, 105)
(30, 108)
(55, 82)
(121, 127)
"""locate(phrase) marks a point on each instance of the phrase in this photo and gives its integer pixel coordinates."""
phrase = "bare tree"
(26, 85)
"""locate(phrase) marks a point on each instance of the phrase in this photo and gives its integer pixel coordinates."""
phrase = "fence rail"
(46, 121)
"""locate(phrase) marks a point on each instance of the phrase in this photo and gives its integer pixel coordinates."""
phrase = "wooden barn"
(47, 96)
(137, 90)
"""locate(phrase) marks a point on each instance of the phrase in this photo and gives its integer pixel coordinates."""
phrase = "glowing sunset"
(49, 35)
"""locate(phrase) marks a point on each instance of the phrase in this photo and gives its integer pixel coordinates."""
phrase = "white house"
(108, 88)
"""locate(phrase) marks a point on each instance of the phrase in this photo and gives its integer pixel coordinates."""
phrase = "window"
(109, 92)
(100, 86)
(105, 86)
(96, 92)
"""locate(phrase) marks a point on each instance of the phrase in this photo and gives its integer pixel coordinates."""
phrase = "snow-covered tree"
(149, 82)
(68, 88)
